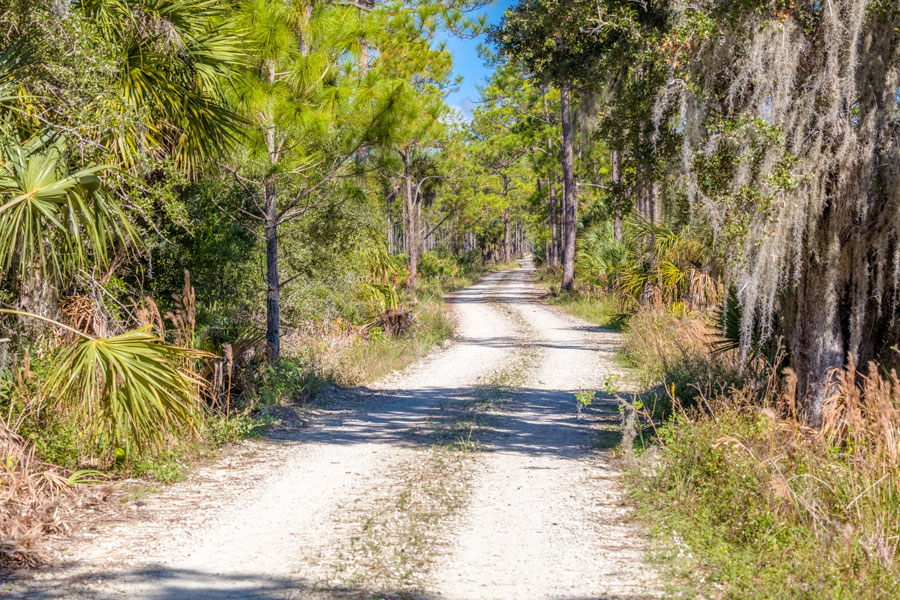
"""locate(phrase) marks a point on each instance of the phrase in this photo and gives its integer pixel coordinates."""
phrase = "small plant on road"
(612, 384)
(584, 399)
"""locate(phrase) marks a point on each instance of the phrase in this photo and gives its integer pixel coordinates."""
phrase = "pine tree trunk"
(569, 195)
(554, 226)
(562, 220)
(507, 250)
(389, 222)
(304, 33)
(616, 180)
(273, 309)
(363, 42)
(411, 226)
(418, 239)
(517, 241)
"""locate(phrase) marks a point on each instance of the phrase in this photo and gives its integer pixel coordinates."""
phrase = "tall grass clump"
(746, 496)
(339, 353)
(676, 357)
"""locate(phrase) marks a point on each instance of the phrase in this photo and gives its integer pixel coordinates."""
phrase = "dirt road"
(468, 476)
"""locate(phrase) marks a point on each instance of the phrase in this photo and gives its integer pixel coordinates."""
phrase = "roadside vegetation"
(209, 208)
(743, 498)
(728, 213)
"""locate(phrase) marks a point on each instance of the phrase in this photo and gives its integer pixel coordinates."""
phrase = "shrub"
(130, 392)
(772, 509)
(433, 265)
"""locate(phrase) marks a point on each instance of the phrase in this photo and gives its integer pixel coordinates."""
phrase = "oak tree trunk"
(817, 340)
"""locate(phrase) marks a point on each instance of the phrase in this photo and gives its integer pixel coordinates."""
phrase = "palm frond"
(175, 58)
(729, 318)
(130, 391)
(53, 218)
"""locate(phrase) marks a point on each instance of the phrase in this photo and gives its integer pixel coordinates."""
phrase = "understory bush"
(749, 501)
(344, 355)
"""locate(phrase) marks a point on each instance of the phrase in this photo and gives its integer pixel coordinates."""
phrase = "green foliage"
(729, 319)
(51, 216)
(129, 392)
(600, 258)
(291, 381)
(219, 429)
(549, 37)
(668, 267)
(436, 266)
(585, 397)
(382, 290)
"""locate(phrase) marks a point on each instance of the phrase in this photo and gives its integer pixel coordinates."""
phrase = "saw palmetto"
(53, 218)
(130, 392)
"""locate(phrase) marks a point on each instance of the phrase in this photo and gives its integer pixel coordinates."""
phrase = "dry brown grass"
(658, 339)
(674, 357)
(338, 352)
(36, 500)
(772, 507)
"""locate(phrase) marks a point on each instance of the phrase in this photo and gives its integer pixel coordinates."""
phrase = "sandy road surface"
(542, 518)
(546, 518)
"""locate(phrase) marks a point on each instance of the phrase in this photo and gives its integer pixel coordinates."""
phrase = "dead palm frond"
(184, 317)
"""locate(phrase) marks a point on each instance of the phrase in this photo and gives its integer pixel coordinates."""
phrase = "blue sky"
(468, 65)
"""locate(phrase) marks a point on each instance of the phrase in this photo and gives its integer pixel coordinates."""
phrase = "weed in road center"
(397, 532)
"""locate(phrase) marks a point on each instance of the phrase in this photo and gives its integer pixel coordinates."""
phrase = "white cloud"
(462, 112)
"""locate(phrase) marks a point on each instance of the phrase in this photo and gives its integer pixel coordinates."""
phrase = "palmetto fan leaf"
(175, 58)
(52, 218)
(600, 257)
(673, 280)
(130, 391)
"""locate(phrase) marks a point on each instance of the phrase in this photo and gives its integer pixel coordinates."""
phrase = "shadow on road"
(183, 584)
(533, 421)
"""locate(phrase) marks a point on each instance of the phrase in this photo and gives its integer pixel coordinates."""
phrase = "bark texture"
(569, 194)
(273, 309)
